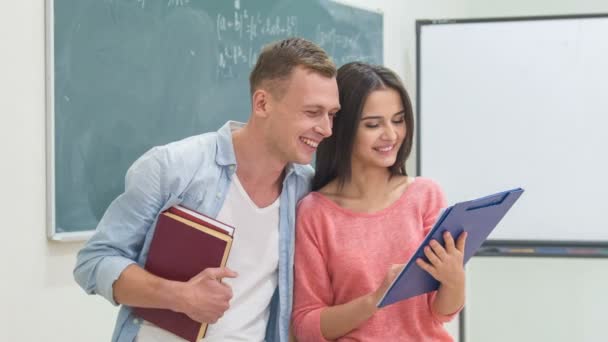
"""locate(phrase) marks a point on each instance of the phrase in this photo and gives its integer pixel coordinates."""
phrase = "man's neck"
(255, 160)
(259, 170)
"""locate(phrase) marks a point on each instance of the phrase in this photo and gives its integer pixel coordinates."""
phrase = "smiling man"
(248, 175)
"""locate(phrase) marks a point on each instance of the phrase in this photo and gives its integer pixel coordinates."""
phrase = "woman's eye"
(372, 125)
(398, 121)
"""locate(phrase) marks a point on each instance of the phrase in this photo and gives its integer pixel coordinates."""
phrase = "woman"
(365, 218)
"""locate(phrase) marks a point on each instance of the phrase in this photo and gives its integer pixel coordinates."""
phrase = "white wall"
(39, 299)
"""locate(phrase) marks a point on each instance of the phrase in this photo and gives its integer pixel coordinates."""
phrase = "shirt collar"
(225, 149)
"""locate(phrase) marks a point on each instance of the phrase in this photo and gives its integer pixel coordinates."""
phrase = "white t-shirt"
(254, 256)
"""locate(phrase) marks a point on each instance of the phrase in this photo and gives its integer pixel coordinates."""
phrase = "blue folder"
(477, 217)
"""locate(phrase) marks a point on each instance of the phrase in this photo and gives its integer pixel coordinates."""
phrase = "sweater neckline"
(354, 213)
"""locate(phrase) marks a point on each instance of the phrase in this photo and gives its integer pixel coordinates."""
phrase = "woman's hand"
(391, 274)
(446, 265)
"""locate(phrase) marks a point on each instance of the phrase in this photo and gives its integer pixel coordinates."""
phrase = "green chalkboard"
(126, 75)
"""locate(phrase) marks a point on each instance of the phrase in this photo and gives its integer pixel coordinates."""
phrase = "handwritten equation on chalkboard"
(240, 33)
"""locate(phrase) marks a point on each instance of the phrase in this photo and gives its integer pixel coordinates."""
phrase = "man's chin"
(304, 160)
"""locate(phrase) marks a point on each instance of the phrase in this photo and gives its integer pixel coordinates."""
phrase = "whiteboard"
(519, 103)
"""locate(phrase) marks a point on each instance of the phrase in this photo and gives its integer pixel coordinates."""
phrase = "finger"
(433, 258)
(219, 290)
(396, 268)
(438, 249)
(427, 267)
(222, 272)
(227, 290)
(394, 271)
(462, 239)
(449, 242)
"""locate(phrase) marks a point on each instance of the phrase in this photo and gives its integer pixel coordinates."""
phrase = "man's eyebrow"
(316, 106)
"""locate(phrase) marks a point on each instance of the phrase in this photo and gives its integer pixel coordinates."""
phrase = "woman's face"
(381, 130)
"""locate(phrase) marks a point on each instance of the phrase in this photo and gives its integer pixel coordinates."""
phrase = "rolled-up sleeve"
(121, 232)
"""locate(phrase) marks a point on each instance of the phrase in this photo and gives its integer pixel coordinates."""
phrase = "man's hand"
(204, 298)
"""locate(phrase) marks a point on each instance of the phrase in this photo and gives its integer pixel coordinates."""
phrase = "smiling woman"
(365, 218)
(367, 93)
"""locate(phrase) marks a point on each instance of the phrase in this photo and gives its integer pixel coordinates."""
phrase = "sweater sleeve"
(436, 315)
(312, 287)
(436, 201)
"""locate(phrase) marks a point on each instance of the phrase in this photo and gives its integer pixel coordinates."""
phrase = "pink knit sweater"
(342, 255)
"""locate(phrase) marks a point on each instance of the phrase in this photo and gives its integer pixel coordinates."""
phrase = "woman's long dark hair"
(355, 82)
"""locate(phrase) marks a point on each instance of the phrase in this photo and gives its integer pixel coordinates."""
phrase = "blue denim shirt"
(195, 172)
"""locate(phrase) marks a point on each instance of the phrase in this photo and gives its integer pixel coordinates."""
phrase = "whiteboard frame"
(526, 248)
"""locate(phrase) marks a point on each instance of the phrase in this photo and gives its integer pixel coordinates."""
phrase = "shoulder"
(314, 208)
(310, 203)
(174, 164)
(313, 217)
(186, 153)
(192, 149)
(426, 184)
(429, 191)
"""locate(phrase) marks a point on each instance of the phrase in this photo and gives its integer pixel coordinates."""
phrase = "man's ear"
(261, 103)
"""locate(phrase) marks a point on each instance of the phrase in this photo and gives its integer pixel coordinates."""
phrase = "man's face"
(303, 116)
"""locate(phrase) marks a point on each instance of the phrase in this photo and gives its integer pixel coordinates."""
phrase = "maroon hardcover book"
(183, 245)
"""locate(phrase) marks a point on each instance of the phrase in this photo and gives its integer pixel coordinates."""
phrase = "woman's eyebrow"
(402, 112)
(371, 117)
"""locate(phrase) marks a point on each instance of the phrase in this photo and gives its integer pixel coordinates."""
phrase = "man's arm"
(106, 265)
(204, 298)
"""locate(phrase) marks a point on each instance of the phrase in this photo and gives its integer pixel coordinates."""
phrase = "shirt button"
(135, 321)
(219, 195)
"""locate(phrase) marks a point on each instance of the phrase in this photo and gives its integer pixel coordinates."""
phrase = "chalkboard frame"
(500, 247)
(52, 234)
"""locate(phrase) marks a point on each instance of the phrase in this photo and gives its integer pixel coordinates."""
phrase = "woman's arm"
(315, 315)
(447, 266)
(339, 320)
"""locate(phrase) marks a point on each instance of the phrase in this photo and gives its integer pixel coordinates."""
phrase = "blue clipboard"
(477, 217)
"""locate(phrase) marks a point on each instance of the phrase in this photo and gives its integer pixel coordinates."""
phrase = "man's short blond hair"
(277, 61)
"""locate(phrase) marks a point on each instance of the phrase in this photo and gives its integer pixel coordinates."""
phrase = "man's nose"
(324, 127)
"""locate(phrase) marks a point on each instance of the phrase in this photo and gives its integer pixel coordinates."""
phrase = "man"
(248, 176)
